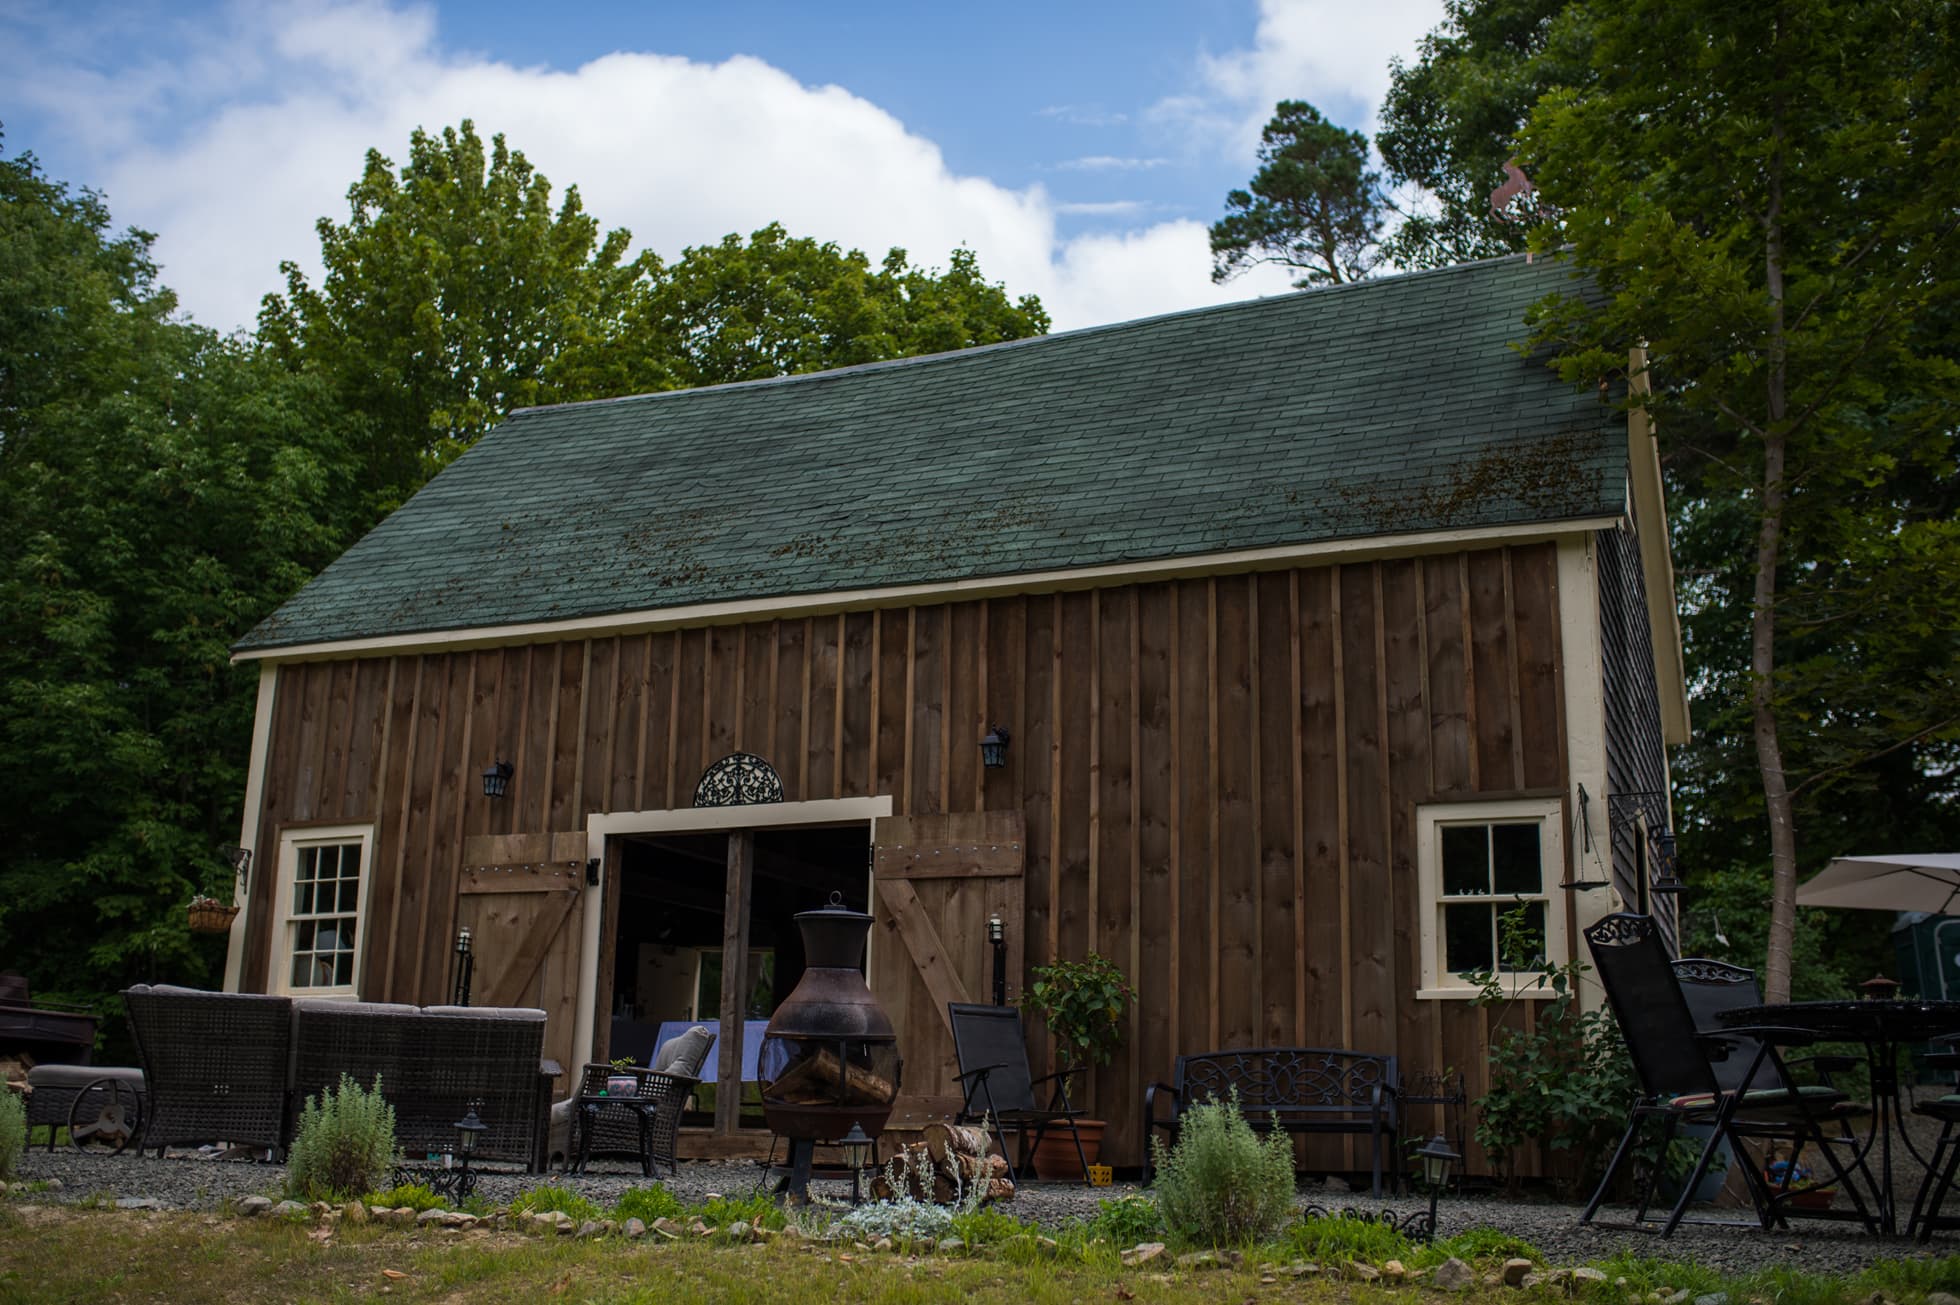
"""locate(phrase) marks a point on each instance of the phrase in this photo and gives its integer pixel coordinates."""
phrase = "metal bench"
(1298, 1089)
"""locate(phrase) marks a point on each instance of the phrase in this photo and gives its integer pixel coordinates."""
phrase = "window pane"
(328, 937)
(303, 938)
(350, 860)
(343, 970)
(302, 967)
(1516, 863)
(309, 863)
(1466, 860)
(303, 901)
(348, 888)
(1468, 940)
(1532, 940)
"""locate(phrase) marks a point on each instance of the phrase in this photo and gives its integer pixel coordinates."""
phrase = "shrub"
(647, 1204)
(1338, 1238)
(541, 1200)
(902, 1220)
(344, 1146)
(758, 1209)
(1478, 1244)
(1222, 1183)
(1127, 1220)
(13, 1131)
(986, 1226)
(415, 1196)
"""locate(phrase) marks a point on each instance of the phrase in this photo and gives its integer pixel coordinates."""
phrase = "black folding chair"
(996, 1083)
(1941, 1169)
(1674, 1064)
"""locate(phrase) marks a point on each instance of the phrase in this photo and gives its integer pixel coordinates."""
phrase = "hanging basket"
(209, 916)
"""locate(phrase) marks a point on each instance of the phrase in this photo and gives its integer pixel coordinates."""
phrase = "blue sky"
(1080, 149)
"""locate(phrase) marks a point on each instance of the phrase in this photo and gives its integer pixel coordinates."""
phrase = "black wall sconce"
(1663, 859)
(496, 779)
(241, 863)
(993, 748)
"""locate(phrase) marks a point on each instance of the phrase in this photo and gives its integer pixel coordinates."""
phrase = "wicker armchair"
(644, 1122)
(215, 1065)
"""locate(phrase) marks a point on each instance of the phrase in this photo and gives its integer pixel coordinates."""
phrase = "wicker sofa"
(238, 1068)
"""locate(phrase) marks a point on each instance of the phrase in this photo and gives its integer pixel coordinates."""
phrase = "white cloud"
(1332, 53)
(1083, 115)
(232, 170)
(1109, 163)
(1106, 208)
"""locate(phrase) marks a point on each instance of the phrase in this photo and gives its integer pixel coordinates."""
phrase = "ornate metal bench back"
(1288, 1081)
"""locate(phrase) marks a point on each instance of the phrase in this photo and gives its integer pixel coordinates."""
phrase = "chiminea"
(830, 1054)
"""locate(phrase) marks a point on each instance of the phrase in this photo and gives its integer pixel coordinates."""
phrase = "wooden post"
(734, 973)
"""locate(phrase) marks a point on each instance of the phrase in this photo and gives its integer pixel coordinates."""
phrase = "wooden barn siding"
(1219, 776)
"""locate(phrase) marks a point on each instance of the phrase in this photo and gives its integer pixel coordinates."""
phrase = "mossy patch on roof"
(1387, 407)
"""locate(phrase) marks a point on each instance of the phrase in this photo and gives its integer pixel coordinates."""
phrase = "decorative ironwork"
(1417, 1225)
(1621, 929)
(1287, 1077)
(458, 1184)
(1700, 969)
(738, 779)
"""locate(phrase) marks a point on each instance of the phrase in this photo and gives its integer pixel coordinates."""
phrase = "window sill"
(1527, 986)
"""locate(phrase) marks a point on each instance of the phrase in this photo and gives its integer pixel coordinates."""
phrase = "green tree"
(160, 490)
(774, 305)
(453, 294)
(1315, 205)
(1451, 120)
(1768, 197)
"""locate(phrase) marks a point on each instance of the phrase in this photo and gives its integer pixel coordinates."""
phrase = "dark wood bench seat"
(1299, 1089)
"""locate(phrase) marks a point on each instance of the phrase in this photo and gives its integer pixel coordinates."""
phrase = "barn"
(1260, 606)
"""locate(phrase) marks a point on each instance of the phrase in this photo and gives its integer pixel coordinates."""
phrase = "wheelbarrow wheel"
(106, 1114)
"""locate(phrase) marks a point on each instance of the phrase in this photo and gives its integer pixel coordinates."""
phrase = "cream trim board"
(1582, 678)
(1431, 819)
(603, 825)
(279, 966)
(248, 825)
(1649, 510)
(735, 612)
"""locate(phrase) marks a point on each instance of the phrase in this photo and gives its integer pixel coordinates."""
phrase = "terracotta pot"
(1055, 1158)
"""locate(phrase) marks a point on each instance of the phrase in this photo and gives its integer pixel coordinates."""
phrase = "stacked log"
(949, 1162)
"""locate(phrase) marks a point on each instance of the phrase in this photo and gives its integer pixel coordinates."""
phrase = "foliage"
(1782, 234)
(1223, 1183)
(13, 1130)
(1451, 121)
(1126, 1220)
(1082, 1003)
(453, 293)
(1477, 1245)
(776, 305)
(1338, 1238)
(344, 1145)
(986, 1226)
(414, 1196)
(1315, 204)
(160, 491)
(902, 1219)
(756, 1210)
(547, 1197)
(1566, 1082)
(647, 1203)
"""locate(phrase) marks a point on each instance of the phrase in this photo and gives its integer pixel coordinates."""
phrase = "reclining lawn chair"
(997, 1085)
(1674, 1064)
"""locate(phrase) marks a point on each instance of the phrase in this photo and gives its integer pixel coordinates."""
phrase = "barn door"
(936, 880)
(519, 897)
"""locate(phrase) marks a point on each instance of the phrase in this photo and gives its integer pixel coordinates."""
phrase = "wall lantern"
(465, 967)
(1649, 806)
(993, 748)
(1667, 861)
(496, 779)
(997, 936)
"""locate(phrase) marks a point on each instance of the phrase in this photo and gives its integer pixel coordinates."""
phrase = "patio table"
(1883, 1027)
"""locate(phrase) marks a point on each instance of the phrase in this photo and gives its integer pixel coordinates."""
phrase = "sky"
(1080, 148)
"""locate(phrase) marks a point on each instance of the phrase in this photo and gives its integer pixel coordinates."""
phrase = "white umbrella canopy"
(1928, 881)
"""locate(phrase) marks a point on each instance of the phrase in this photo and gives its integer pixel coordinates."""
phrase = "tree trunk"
(1762, 625)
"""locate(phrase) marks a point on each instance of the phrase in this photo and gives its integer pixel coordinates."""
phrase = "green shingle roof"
(1390, 406)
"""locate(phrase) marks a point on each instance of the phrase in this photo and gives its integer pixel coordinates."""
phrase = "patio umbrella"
(1927, 881)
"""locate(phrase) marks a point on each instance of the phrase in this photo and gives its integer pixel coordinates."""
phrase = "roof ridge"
(1101, 328)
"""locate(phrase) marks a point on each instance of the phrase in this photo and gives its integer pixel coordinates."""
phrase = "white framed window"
(1477, 862)
(322, 910)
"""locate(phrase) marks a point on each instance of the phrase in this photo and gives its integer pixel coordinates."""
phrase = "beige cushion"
(682, 1056)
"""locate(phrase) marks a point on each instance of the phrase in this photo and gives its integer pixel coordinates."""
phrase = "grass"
(66, 1254)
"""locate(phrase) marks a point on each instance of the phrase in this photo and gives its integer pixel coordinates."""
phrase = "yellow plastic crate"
(1101, 1175)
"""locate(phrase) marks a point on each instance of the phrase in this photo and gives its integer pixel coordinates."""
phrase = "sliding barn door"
(935, 882)
(520, 898)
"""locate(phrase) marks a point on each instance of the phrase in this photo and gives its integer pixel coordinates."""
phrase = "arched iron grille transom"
(738, 779)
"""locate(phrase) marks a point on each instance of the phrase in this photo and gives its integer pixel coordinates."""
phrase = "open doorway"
(670, 934)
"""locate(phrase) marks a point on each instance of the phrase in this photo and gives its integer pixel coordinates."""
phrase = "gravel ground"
(193, 1181)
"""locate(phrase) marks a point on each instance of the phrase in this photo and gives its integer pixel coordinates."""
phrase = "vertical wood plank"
(1155, 806)
(1371, 943)
(737, 894)
(1196, 862)
(1030, 751)
(1490, 660)
(1236, 876)
(1277, 733)
(1076, 682)
(1407, 731)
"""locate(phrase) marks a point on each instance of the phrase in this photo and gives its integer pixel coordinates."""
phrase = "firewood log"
(962, 1139)
(1000, 1189)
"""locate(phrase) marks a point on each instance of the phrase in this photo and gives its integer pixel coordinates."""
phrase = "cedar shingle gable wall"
(1392, 406)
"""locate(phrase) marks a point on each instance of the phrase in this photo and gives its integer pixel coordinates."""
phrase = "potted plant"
(1083, 1004)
